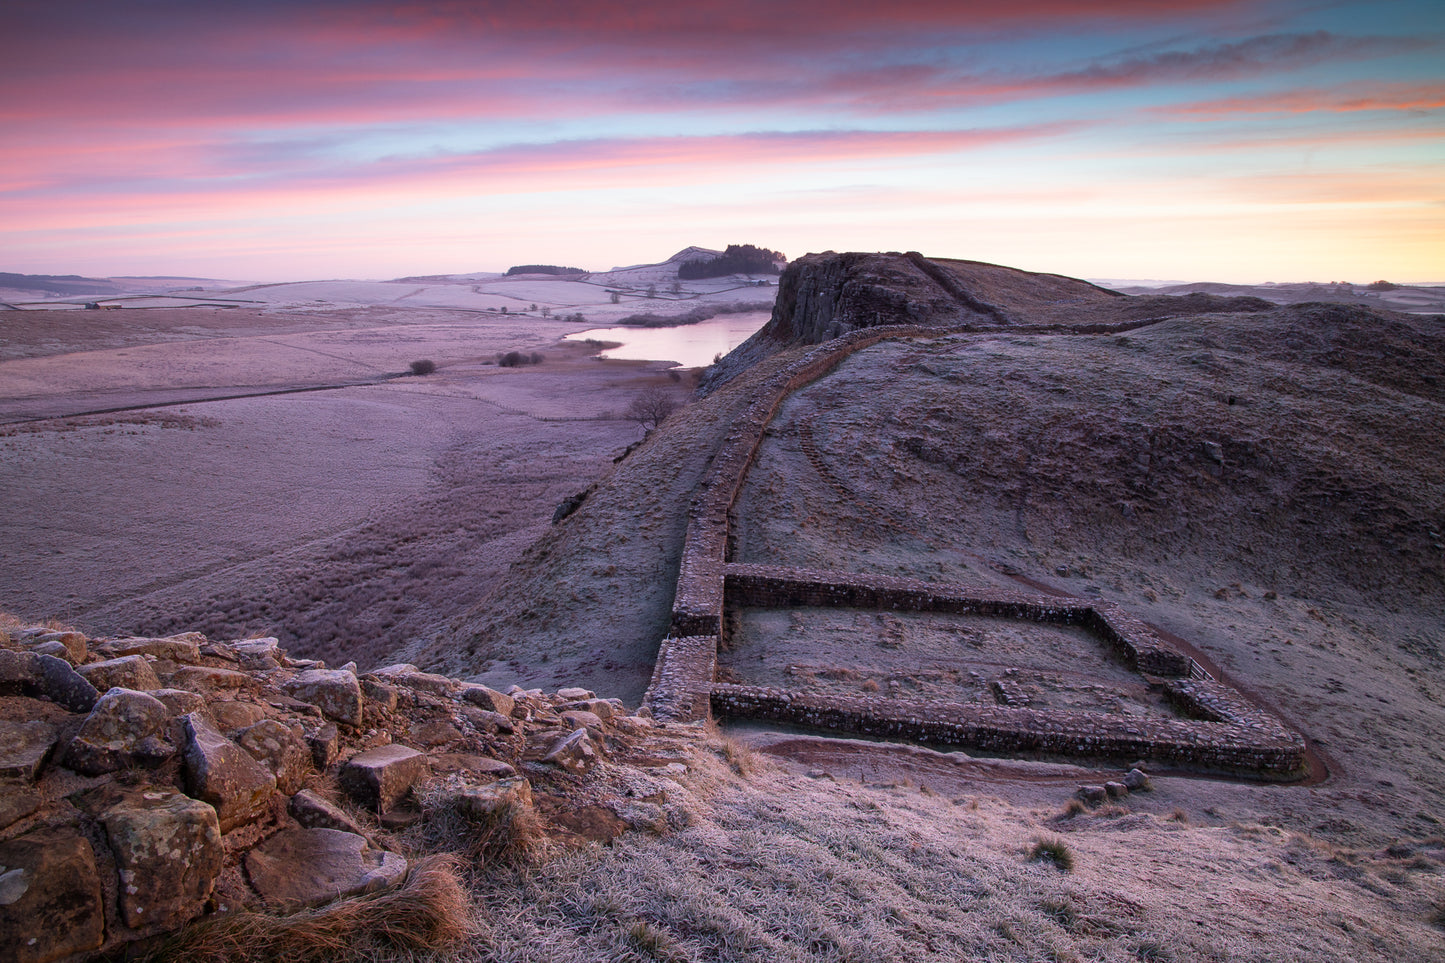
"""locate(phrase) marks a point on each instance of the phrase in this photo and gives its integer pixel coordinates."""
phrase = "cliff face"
(824, 296)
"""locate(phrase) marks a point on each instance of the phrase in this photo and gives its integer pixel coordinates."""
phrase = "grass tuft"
(1052, 849)
(654, 942)
(430, 911)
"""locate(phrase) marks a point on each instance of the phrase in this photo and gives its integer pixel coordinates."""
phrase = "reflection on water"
(690, 345)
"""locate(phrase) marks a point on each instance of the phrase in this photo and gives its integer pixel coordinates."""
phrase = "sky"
(287, 140)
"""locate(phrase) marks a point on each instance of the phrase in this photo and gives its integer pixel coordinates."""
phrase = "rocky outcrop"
(245, 780)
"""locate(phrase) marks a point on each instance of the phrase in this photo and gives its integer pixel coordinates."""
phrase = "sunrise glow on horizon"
(1192, 140)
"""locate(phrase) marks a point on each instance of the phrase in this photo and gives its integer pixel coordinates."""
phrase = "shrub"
(423, 367)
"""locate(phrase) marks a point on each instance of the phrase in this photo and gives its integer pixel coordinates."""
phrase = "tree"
(615, 295)
(651, 407)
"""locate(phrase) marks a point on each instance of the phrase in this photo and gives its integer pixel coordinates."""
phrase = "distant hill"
(61, 284)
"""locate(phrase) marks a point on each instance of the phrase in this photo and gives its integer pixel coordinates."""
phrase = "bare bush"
(651, 407)
(423, 367)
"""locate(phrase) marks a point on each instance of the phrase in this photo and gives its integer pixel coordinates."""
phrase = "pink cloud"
(214, 190)
(1338, 100)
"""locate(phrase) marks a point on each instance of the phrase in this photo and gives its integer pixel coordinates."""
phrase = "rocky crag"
(151, 783)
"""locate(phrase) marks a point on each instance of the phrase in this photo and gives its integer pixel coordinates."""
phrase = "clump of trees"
(737, 259)
(542, 269)
(651, 407)
(1381, 286)
(515, 359)
(423, 367)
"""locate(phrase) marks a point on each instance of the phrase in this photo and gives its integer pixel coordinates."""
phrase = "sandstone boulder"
(50, 897)
(126, 672)
(336, 693)
(324, 743)
(232, 714)
(168, 852)
(576, 753)
(223, 774)
(380, 695)
(25, 747)
(1137, 781)
(299, 868)
(123, 729)
(185, 649)
(575, 694)
(498, 798)
(280, 750)
(382, 777)
(74, 644)
(205, 678)
(582, 719)
(45, 676)
(486, 698)
(58, 650)
(409, 676)
(258, 654)
(315, 812)
(17, 800)
(178, 702)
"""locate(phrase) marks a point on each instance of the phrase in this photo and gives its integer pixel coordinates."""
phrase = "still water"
(690, 345)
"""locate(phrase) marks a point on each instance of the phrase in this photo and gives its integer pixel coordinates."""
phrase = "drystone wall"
(1259, 747)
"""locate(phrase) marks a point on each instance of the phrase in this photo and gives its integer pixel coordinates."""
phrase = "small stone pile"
(148, 782)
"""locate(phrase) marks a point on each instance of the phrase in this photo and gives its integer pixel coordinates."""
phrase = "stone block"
(575, 694)
(168, 852)
(487, 698)
(315, 812)
(379, 695)
(381, 777)
(233, 714)
(17, 800)
(576, 752)
(582, 719)
(25, 747)
(125, 672)
(336, 693)
(178, 702)
(280, 750)
(324, 743)
(257, 654)
(223, 774)
(50, 897)
(205, 678)
(299, 868)
(409, 676)
(493, 799)
(123, 729)
(185, 649)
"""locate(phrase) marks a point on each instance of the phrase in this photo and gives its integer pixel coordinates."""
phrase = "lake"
(689, 345)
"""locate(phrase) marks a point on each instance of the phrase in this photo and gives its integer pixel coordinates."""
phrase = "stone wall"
(1259, 747)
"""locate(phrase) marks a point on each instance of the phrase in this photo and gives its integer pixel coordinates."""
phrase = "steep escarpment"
(824, 296)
